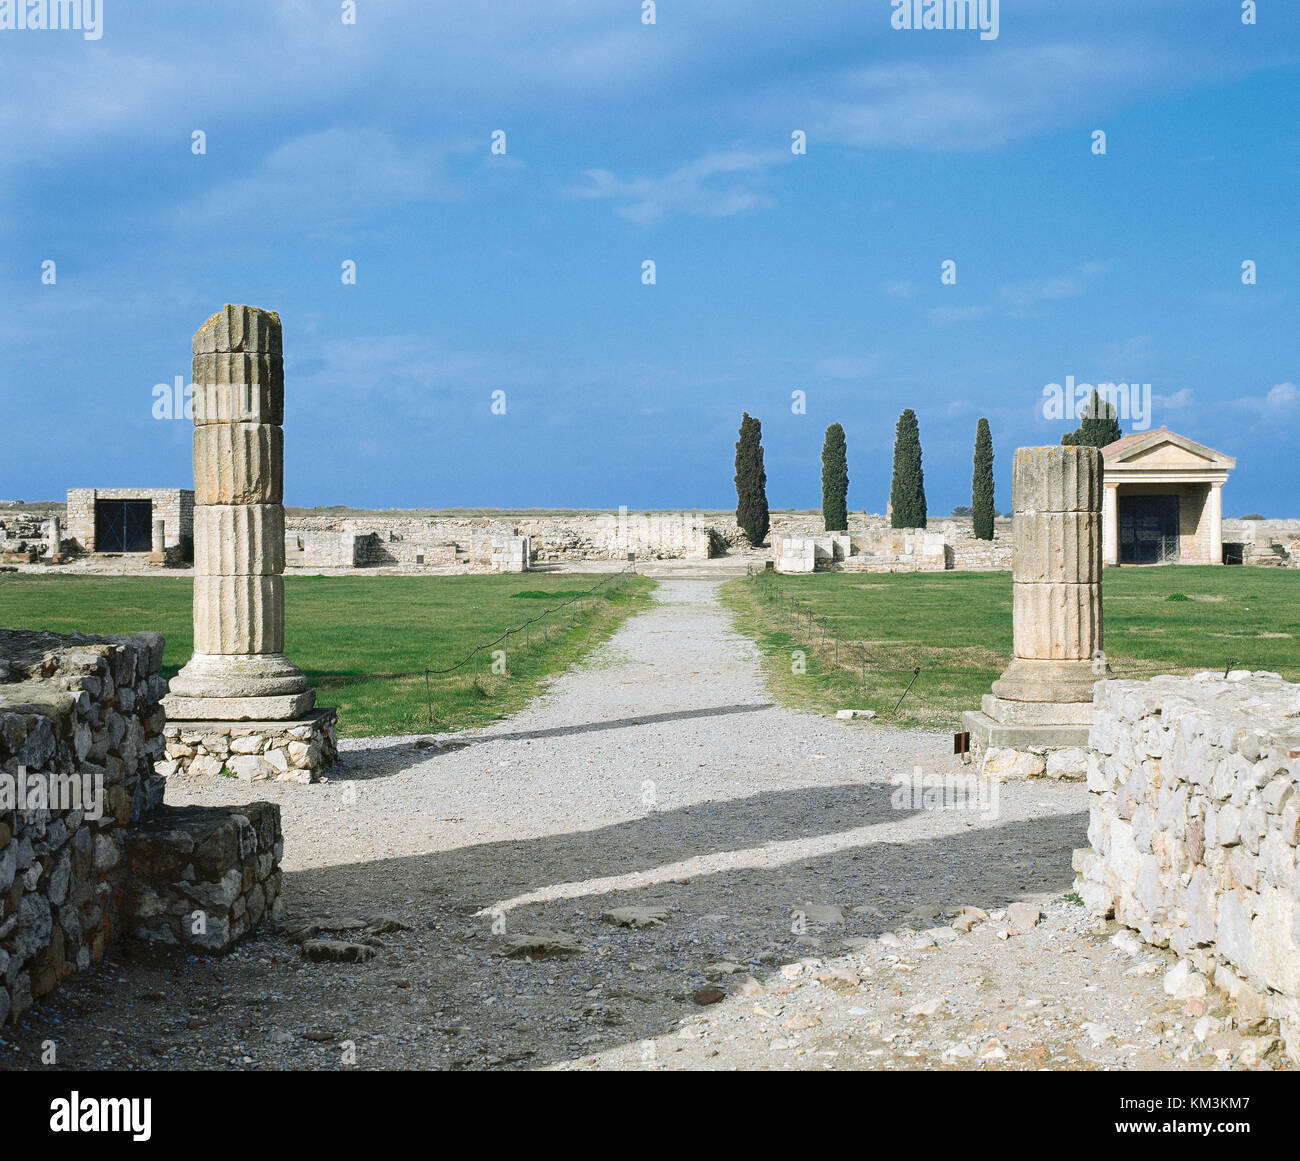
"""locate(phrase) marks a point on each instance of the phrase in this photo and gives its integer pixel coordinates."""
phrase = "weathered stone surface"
(1006, 764)
(337, 951)
(1191, 782)
(1043, 700)
(289, 707)
(539, 944)
(636, 916)
(230, 540)
(238, 670)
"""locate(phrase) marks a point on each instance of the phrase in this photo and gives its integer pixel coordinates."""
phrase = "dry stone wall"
(1194, 823)
(88, 851)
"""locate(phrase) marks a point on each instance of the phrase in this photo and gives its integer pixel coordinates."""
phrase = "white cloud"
(717, 185)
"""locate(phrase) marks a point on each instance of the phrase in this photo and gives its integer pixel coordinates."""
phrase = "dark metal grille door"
(1148, 530)
(123, 525)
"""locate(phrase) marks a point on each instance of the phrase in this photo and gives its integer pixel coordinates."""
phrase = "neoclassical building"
(1163, 500)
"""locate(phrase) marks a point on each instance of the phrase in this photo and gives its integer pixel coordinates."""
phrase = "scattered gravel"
(480, 883)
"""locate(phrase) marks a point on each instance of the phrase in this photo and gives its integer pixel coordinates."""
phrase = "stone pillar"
(238, 670)
(1036, 719)
(1056, 575)
(55, 531)
(1110, 526)
(1216, 524)
(158, 546)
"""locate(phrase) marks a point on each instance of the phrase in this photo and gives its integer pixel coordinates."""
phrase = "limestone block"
(1051, 547)
(240, 328)
(1056, 479)
(238, 463)
(239, 539)
(238, 388)
(1006, 764)
(1057, 622)
(238, 614)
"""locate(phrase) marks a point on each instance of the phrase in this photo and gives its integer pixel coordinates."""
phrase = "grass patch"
(957, 628)
(364, 641)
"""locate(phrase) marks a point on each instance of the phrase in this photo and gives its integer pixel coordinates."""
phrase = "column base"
(1050, 681)
(239, 687)
(253, 751)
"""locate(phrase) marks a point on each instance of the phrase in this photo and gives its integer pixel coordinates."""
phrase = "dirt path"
(657, 775)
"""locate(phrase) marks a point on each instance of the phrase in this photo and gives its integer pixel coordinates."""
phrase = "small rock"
(539, 944)
(337, 951)
(1184, 982)
(967, 917)
(1023, 916)
(636, 916)
(1127, 942)
(709, 994)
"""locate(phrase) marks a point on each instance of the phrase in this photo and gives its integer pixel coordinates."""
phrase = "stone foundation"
(81, 728)
(294, 751)
(202, 877)
(1194, 825)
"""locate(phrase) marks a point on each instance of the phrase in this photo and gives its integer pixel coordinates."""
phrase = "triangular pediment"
(1163, 449)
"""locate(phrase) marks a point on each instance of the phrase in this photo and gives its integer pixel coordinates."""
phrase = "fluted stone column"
(238, 671)
(1056, 574)
(1043, 700)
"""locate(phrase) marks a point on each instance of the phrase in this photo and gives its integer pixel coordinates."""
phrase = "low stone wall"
(201, 878)
(81, 728)
(1194, 824)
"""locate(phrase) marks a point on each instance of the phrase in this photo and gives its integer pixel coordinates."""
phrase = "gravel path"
(657, 775)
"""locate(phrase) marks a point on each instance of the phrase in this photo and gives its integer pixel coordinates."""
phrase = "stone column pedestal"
(1043, 701)
(239, 672)
(158, 545)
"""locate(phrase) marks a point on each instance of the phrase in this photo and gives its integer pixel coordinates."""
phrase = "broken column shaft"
(238, 670)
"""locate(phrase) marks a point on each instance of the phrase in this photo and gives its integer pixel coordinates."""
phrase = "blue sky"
(670, 142)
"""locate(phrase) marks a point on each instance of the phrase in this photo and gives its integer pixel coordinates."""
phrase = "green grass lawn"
(957, 628)
(365, 641)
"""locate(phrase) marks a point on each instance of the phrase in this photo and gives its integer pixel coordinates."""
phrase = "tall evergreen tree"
(835, 480)
(981, 484)
(751, 481)
(907, 492)
(1099, 424)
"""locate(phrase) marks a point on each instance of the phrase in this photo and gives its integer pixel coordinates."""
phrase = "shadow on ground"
(441, 996)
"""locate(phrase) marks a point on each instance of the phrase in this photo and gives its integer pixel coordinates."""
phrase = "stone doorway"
(123, 525)
(1148, 529)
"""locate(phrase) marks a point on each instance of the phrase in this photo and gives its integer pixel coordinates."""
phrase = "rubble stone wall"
(79, 722)
(88, 852)
(1194, 824)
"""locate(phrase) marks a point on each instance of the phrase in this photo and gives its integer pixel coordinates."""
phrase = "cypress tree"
(981, 485)
(907, 492)
(1099, 425)
(835, 480)
(751, 482)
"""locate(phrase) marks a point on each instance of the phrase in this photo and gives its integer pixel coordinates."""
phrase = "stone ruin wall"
(175, 506)
(24, 537)
(467, 542)
(1194, 824)
(74, 878)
